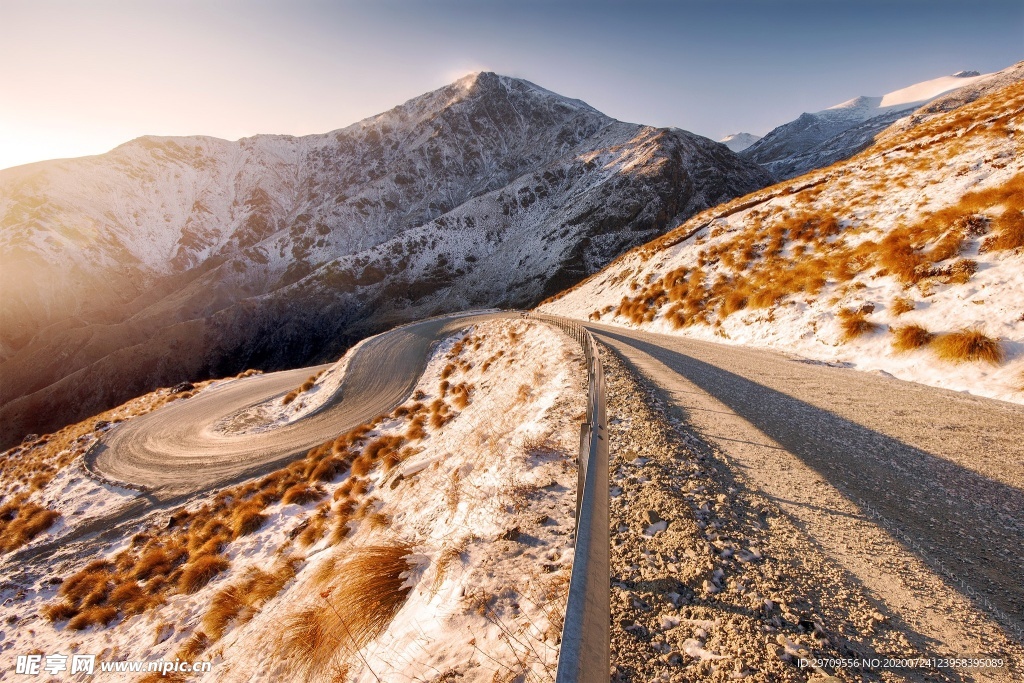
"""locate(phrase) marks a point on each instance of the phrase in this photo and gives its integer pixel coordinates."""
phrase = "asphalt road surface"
(918, 491)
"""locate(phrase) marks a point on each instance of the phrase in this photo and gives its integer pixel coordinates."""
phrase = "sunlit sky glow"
(81, 77)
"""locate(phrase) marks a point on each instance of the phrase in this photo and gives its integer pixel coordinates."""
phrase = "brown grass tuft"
(968, 345)
(59, 611)
(201, 571)
(301, 494)
(246, 519)
(92, 616)
(855, 323)
(910, 337)
(901, 305)
(367, 590)
(21, 521)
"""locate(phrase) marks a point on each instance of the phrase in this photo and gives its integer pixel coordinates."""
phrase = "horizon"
(309, 68)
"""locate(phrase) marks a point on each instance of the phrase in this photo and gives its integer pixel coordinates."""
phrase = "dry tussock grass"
(901, 305)
(243, 599)
(200, 571)
(854, 323)
(366, 591)
(968, 345)
(910, 337)
(303, 493)
(21, 521)
(92, 616)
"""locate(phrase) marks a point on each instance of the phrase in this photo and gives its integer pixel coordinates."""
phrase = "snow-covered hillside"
(175, 258)
(738, 142)
(436, 541)
(906, 259)
(815, 140)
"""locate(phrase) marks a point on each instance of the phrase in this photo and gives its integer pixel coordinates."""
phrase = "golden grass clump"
(301, 494)
(367, 590)
(1009, 232)
(242, 600)
(901, 305)
(92, 616)
(910, 337)
(59, 611)
(246, 519)
(21, 521)
(201, 571)
(854, 323)
(968, 345)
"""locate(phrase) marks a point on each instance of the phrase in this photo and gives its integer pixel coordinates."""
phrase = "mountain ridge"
(197, 248)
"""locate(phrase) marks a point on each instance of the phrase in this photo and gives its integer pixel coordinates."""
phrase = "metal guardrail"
(585, 651)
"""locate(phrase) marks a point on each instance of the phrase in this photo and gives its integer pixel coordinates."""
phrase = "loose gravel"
(710, 580)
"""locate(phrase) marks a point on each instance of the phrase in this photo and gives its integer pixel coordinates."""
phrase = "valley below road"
(915, 493)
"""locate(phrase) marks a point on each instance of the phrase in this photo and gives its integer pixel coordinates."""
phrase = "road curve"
(940, 470)
(177, 449)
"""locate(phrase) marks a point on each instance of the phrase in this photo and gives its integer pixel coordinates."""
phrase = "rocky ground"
(710, 580)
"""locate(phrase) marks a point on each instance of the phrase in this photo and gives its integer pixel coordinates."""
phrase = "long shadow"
(973, 528)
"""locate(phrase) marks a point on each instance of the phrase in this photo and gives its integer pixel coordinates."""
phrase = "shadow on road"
(968, 522)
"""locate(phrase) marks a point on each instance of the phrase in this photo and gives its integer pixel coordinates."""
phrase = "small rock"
(510, 534)
(656, 528)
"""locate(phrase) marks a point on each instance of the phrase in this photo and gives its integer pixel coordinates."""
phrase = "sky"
(80, 77)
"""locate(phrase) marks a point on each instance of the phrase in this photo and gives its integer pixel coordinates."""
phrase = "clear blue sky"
(80, 77)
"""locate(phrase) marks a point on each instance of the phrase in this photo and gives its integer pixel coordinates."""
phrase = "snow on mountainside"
(738, 142)
(907, 259)
(818, 139)
(176, 258)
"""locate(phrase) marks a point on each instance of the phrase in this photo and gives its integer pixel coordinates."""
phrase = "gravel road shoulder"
(715, 579)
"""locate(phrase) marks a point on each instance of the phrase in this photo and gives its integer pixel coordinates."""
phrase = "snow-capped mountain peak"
(738, 142)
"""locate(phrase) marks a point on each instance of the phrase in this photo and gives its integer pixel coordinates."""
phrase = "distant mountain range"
(171, 259)
(814, 140)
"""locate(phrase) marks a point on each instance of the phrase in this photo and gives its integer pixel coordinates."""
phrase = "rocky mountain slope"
(907, 259)
(177, 258)
(815, 140)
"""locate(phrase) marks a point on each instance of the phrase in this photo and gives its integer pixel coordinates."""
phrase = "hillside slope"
(906, 259)
(176, 258)
(403, 534)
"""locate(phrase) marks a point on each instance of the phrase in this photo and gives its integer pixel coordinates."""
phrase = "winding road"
(176, 453)
(178, 449)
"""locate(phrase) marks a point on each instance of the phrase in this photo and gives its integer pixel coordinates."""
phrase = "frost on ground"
(711, 580)
(435, 543)
(907, 259)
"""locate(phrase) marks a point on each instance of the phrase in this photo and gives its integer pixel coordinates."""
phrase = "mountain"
(169, 259)
(815, 140)
(738, 142)
(907, 259)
